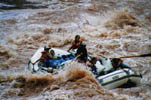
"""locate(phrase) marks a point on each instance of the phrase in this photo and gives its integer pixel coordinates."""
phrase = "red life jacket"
(44, 56)
(76, 45)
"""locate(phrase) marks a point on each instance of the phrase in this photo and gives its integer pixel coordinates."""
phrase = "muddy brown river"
(112, 28)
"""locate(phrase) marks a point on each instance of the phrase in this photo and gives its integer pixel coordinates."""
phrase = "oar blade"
(146, 55)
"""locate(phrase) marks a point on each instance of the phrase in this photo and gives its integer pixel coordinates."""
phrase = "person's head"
(82, 45)
(116, 62)
(47, 48)
(52, 53)
(93, 60)
(77, 37)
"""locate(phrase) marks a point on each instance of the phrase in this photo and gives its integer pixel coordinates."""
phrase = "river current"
(111, 28)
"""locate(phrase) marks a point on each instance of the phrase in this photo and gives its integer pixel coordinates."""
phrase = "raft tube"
(118, 78)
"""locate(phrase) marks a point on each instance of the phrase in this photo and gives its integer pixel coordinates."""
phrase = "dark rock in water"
(19, 4)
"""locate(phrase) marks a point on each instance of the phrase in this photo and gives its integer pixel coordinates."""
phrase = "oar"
(71, 61)
(143, 55)
(76, 57)
(102, 56)
(2, 81)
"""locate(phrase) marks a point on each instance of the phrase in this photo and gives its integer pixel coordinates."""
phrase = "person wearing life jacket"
(45, 57)
(91, 64)
(117, 63)
(82, 53)
(76, 43)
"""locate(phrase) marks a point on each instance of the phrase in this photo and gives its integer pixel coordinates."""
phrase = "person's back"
(82, 53)
(91, 64)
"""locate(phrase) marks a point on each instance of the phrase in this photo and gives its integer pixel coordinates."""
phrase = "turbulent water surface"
(112, 28)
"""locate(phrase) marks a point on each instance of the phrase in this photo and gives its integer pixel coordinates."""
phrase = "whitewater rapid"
(112, 28)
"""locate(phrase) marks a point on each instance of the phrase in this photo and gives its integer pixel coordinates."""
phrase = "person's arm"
(86, 54)
(50, 56)
(122, 65)
(88, 64)
(71, 46)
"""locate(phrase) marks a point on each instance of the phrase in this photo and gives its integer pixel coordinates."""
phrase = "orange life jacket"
(45, 55)
(76, 45)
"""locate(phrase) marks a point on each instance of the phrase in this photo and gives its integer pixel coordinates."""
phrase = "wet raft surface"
(111, 28)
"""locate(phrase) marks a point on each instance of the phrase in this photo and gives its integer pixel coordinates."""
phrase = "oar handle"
(128, 56)
(144, 55)
(76, 57)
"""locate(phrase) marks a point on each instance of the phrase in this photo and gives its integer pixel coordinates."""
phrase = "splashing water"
(112, 28)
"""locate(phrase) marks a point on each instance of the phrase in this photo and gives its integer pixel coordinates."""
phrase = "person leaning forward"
(117, 63)
(82, 53)
(76, 43)
(91, 64)
(45, 57)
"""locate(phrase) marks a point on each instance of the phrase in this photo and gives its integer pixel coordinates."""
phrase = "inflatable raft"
(109, 81)
(60, 56)
(120, 77)
(126, 77)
